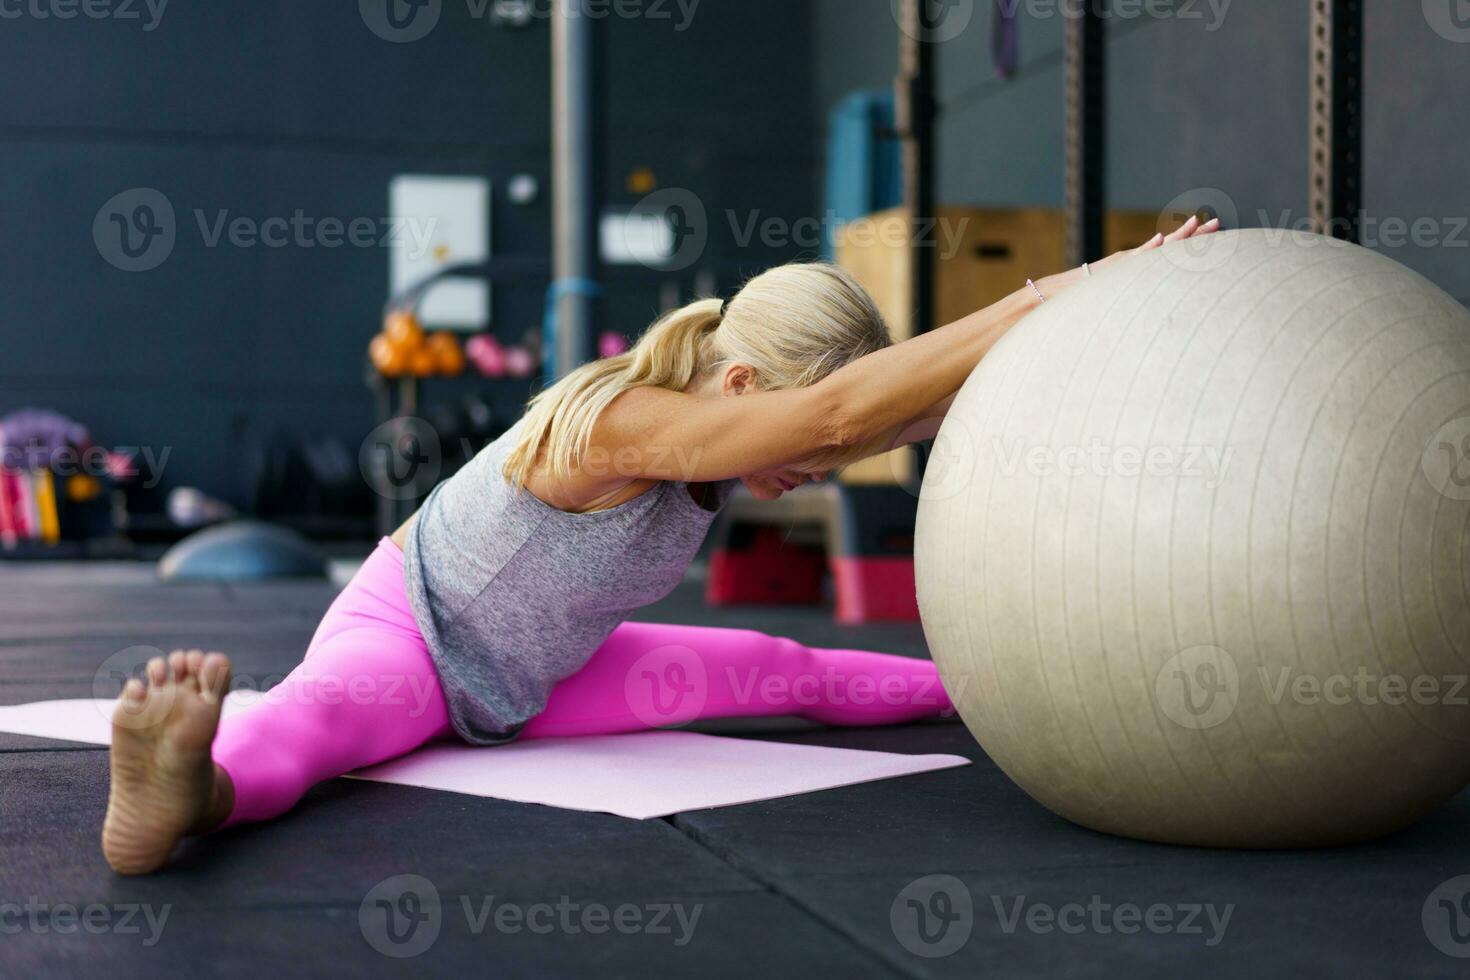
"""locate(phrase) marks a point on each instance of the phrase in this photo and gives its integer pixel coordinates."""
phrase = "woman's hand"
(1053, 286)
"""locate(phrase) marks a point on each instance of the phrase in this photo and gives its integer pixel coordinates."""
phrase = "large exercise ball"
(1194, 546)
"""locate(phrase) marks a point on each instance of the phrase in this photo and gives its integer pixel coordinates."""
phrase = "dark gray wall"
(267, 107)
(1207, 102)
(270, 106)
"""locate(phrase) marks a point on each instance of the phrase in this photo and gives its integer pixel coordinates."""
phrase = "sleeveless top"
(512, 595)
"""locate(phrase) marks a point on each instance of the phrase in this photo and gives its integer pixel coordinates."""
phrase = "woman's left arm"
(927, 425)
(921, 429)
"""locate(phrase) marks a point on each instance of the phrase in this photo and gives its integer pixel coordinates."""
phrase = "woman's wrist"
(1053, 286)
(1016, 307)
(1038, 292)
(996, 321)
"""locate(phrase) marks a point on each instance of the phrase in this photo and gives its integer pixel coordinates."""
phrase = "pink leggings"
(367, 691)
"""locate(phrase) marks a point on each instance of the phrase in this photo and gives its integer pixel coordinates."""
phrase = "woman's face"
(741, 379)
(771, 484)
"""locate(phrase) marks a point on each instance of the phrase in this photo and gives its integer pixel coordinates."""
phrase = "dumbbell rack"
(403, 398)
(392, 398)
(400, 398)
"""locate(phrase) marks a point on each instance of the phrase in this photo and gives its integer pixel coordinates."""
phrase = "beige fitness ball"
(1194, 546)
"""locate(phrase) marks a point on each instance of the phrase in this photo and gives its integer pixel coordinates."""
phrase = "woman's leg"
(363, 696)
(652, 676)
(366, 692)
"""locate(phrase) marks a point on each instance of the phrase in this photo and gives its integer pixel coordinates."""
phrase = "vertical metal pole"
(408, 407)
(574, 192)
(1086, 133)
(914, 118)
(1336, 135)
(387, 507)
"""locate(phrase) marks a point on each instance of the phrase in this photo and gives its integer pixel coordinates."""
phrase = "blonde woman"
(499, 611)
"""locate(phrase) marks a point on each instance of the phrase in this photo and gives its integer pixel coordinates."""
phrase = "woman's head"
(796, 324)
(789, 327)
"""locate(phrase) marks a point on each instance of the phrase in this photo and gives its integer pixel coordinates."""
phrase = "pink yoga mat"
(646, 775)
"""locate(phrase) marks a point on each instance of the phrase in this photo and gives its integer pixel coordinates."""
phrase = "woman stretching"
(498, 611)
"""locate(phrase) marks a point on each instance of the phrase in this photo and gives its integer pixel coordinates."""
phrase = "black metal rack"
(1337, 118)
(914, 118)
(1335, 124)
(1085, 80)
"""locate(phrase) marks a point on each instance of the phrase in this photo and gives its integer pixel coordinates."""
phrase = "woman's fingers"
(1152, 243)
(1185, 230)
(1208, 228)
(1190, 229)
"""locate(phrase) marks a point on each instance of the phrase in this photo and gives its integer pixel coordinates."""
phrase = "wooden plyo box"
(982, 255)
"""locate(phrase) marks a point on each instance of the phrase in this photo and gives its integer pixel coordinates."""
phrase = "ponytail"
(558, 422)
(794, 325)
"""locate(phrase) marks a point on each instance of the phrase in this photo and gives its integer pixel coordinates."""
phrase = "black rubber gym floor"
(820, 885)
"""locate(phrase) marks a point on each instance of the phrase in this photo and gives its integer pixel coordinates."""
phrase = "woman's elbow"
(840, 424)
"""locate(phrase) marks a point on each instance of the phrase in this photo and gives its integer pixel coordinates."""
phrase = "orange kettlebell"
(422, 363)
(448, 356)
(404, 329)
(390, 359)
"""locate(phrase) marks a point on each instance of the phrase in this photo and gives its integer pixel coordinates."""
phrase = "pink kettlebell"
(488, 357)
(611, 344)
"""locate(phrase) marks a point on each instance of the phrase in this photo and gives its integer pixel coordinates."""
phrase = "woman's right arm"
(656, 434)
(883, 393)
(926, 425)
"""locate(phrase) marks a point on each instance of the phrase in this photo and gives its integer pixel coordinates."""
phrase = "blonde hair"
(794, 325)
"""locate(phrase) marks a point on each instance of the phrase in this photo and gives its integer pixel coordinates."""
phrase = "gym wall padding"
(1196, 566)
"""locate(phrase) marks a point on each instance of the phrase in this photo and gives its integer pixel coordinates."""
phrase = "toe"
(178, 665)
(157, 671)
(194, 662)
(214, 677)
(137, 708)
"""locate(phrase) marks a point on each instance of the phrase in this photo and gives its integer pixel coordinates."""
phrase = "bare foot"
(164, 785)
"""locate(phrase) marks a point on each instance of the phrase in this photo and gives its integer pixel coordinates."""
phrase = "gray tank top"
(513, 595)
